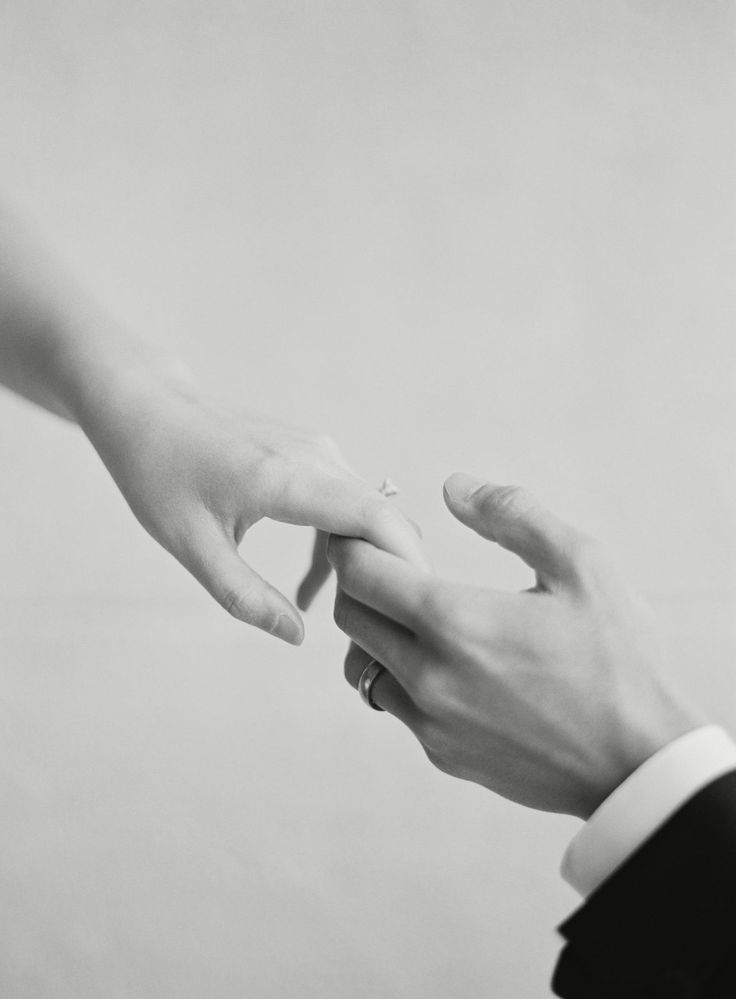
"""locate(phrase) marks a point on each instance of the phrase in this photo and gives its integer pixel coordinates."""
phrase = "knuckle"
(343, 554)
(269, 476)
(239, 604)
(378, 511)
(510, 501)
(230, 602)
(432, 606)
(438, 608)
(431, 690)
(450, 611)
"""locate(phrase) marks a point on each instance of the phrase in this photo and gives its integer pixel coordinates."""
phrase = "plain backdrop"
(455, 234)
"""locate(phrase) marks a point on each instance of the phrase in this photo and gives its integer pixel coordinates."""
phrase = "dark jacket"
(663, 926)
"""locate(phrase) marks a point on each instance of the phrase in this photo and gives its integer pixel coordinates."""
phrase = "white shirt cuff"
(644, 802)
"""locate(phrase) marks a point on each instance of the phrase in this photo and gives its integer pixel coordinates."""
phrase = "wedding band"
(365, 684)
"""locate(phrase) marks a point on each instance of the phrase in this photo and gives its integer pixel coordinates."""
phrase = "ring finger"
(386, 691)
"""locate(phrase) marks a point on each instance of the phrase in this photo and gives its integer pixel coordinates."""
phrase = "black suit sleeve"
(663, 926)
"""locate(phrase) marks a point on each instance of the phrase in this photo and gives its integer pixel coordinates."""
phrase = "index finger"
(345, 505)
(390, 585)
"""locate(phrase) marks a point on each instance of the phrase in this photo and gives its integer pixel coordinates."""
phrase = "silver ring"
(365, 684)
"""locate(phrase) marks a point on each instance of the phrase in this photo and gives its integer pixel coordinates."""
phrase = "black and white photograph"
(367, 499)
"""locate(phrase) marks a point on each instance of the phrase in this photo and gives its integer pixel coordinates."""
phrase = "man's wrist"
(647, 728)
(643, 802)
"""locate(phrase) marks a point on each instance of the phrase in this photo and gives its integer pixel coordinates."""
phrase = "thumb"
(215, 562)
(514, 519)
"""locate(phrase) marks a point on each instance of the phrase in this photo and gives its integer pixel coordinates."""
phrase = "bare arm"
(196, 472)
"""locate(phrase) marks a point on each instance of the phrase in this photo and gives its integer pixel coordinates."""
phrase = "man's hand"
(550, 697)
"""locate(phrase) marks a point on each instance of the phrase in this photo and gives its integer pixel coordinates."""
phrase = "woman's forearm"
(56, 347)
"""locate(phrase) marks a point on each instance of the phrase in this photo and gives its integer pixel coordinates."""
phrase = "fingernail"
(461, 486)
(288, 629)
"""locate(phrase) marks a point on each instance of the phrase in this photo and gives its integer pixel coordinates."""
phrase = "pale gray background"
(456, 234)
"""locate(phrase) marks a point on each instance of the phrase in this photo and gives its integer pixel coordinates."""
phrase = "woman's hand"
(197, 474)
(551, 697)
